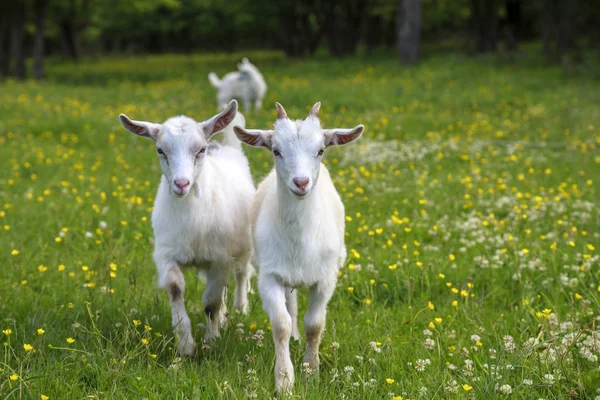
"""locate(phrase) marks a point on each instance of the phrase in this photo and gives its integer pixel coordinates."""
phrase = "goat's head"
(298, 147)
(181, 144)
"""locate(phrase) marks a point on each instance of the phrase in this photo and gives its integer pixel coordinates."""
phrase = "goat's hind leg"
(243, 273)
(213, 300)
(291, 303)
(174, 283)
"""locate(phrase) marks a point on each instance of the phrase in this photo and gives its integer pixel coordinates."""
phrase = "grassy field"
(472, 229)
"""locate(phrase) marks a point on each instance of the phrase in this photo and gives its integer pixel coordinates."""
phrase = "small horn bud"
(314, 111)
(281, 114)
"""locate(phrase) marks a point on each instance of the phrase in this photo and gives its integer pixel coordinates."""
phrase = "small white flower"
(548, 380)
(505, 389)
(374, 347)
(429, 344)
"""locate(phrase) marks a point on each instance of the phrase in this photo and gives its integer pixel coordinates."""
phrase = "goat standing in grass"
(298, 226)
(247, 85)
(201, 214)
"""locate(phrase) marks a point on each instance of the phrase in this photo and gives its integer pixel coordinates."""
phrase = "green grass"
(473, 210)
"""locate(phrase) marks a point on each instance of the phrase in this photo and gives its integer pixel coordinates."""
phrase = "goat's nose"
(301, 183)
(181, 183)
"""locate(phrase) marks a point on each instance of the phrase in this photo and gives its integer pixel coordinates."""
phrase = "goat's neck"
(295, 210)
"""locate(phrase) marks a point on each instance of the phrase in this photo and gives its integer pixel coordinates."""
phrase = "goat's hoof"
(211, 337)
(284, 387)
(313, 363)
(241, 308)
(188, 349)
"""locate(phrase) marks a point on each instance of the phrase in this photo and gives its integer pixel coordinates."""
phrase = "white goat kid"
(208, 228)
(247, 85)
(298, 226)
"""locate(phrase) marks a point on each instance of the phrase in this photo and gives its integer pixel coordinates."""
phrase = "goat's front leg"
(213, 299)
(175, 285)
(314, 321)
(272, 293)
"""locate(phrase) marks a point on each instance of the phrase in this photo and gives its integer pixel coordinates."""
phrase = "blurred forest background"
(73, 28)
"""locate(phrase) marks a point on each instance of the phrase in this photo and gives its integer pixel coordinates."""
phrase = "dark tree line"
(35, 28)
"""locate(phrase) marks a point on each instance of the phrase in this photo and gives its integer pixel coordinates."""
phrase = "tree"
(41, 10)
(343, 23)
(558, 32)
(409, 31)
(484, 25)
(4, 41)
(17, 36)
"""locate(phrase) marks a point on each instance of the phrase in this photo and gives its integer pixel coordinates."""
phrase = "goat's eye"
(160, 152)
(320, 153)
(276, 153)
(202, 151)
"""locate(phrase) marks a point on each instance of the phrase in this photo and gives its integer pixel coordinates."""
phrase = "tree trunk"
(69, 40)
(513, 17)
(343, 25)
(548, 25)
(373, 32)
(565, 42)
(484, 25)
(4, 46)
(38, 46)
(17, 52)
(298, 35)
(409, 31)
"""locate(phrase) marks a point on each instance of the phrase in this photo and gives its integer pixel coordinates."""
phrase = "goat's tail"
(214, 80)
(229, 138)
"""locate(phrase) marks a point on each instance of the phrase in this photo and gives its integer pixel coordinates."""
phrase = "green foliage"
(472, 205)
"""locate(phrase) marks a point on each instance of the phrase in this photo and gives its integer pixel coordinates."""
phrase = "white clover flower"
(548, 380)
(505, 389)
(421, 364)
(374, 347)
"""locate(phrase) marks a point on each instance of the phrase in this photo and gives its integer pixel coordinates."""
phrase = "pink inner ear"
(338, 139)
(252, 140)
(222, 122)
(136, 128)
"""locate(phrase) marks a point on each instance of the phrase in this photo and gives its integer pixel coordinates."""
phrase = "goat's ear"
(339, 137)
(254, 137)
(219, 121)
(140, 128)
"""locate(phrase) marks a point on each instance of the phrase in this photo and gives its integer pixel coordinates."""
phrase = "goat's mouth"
(180, 192)
(300, 194)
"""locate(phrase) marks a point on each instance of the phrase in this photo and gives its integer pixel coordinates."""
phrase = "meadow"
(472, 232)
